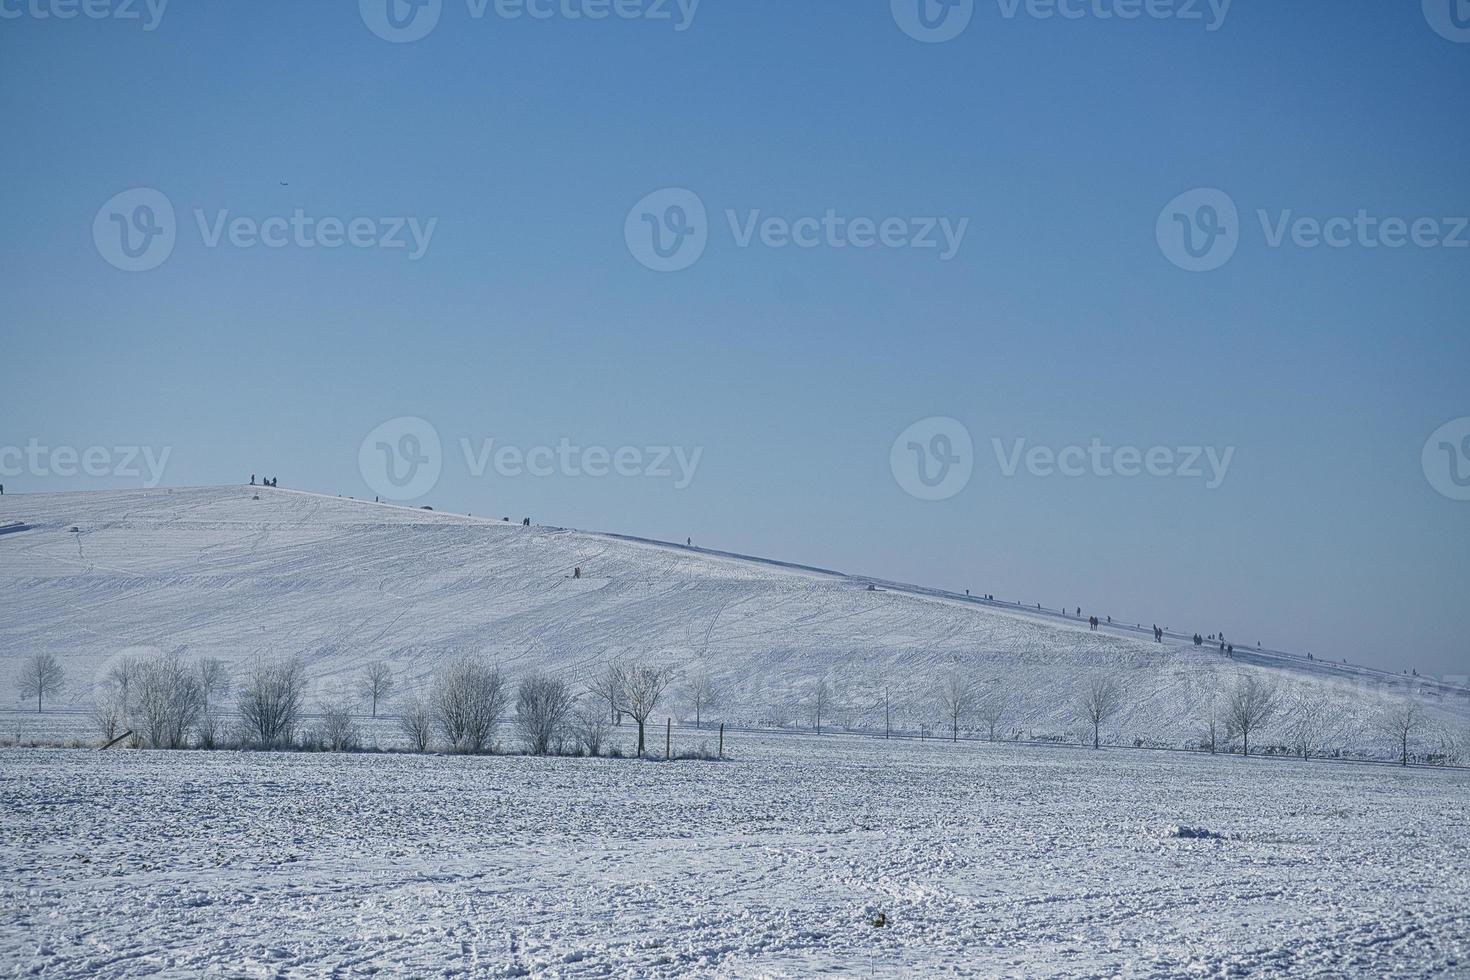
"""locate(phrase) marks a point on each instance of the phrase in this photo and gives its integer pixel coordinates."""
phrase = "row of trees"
(166, 702)
(1312, 720)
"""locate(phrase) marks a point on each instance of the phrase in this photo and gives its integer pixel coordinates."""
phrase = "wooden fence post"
(668, 737)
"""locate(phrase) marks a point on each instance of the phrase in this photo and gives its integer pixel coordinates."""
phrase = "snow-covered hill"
(237, 572)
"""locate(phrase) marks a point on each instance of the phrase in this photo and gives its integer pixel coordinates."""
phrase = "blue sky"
(528, 319)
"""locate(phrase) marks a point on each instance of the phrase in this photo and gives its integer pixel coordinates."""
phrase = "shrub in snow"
(416, 722)
(338, 732)
(590, 728)
(543, 705)
(166, 699)
(468, 699)
(270, 702)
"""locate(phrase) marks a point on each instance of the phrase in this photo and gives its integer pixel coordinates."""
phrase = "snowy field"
(984, 860)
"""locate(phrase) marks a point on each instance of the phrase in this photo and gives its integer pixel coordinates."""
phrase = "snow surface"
(237, 572)
(984, 860)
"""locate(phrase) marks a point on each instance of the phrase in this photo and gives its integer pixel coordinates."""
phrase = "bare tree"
(108, 715)
(376, 683)
(543, 704)
(214, 682)
(1248, 707)
(590, 725)
(992, 709)
(1101, 698)
(270, 701)
(416, 722)
(41, 676)
(607, 687)
(702, 693)
(820, 701)
(468, 699)
(642, 685)
(119, 678)
(1312, 719)
(167, 698)
(214, 678)
(1400, 722)
(957, 695)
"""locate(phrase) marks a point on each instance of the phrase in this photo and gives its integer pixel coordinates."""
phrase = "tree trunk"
(640, 737)
(954, 733)
(1095, 727)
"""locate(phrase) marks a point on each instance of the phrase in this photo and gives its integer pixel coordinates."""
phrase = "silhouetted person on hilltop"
(252, 479)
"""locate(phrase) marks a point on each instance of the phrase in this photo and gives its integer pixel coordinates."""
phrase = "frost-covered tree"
(702, 694)
(339, 731)
(376, 684)
(468, 700)
(1312, 723)
(607, 687)
(992, 707)
(1249, 706)
(41, 677)
(215, 682)
(590, 726)
(270, 702)
(820, 702)
(642, 686)
(416, 722)
(543, 708)
(957, 696)
(214, 678)
(166, 700)
(1101, 697)
(1400, 722)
